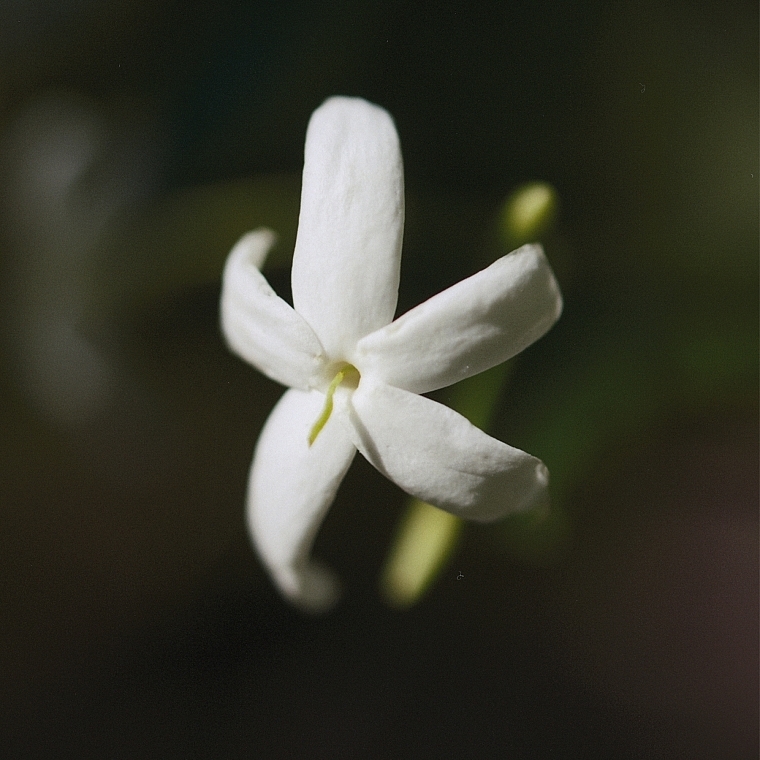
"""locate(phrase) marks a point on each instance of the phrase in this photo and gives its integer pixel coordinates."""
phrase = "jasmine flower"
(354, 375)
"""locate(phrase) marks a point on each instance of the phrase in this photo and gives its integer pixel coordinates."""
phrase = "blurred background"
(138, 141)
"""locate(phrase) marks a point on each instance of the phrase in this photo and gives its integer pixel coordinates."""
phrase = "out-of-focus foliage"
(183, 243)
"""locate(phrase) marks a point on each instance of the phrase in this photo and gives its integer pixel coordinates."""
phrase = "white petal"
(290, 489)
(259, 326)
(474, 325)
(435, 454)
(348, 249)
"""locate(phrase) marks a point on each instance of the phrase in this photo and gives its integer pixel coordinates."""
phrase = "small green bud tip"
(528, 212)
(351, 376)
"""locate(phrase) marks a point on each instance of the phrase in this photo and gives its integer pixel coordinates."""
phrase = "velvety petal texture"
(290, 489)
(259, 326)
(435, 454)
(348, 250)
(467, 329)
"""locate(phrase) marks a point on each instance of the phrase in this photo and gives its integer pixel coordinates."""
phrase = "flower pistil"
(347, 375)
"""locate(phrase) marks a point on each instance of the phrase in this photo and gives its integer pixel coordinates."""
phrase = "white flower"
(353, 374)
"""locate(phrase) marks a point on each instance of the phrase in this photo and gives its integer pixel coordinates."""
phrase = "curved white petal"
(259, 326)
(474, 325)
(348, 250)
(290, 489)
(435, 454)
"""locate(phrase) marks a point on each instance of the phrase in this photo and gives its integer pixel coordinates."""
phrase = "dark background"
(137, 142)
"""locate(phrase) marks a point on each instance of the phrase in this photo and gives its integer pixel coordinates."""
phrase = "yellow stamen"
(348, 373)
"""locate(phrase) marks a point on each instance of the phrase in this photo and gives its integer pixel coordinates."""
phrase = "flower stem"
(425, 540)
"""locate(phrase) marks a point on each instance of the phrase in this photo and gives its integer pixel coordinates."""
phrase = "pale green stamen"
(350, 374)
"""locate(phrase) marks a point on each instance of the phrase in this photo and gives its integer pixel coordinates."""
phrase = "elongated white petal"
(259, 326)
(290, 489)
(348, 249)
(435, 454)
(474, 325)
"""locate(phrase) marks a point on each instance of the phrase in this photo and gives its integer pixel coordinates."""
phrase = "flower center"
(348, 375)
